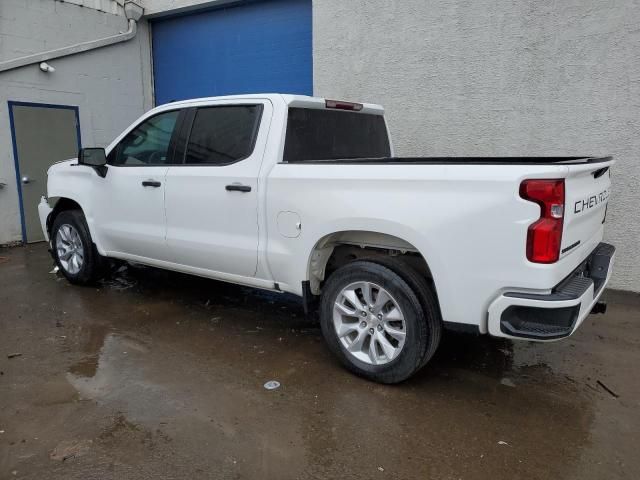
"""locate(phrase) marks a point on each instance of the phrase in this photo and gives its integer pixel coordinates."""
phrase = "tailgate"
(587, 190)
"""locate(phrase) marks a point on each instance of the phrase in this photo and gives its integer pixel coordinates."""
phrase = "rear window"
(315, 134)
(222, 135)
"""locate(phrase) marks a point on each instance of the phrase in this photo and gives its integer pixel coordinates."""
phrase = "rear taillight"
(545, 235)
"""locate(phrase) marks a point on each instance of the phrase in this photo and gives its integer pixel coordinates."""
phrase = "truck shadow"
(497, 359)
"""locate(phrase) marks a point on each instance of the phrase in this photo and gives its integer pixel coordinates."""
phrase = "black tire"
(426, 295)
(93, 265)
(417, 302)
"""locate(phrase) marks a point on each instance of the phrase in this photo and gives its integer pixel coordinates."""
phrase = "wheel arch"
(63, 203)
(60, 204)
(338, 248)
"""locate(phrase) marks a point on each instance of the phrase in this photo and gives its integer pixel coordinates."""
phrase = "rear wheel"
(73, 250)
(376, 323)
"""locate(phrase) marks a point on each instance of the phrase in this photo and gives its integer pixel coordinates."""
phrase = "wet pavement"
(160, 375)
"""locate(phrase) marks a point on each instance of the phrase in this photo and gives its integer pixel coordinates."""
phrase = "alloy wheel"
(70, 249)
(369, 323)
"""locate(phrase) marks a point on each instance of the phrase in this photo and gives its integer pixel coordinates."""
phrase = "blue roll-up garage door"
(250, 47)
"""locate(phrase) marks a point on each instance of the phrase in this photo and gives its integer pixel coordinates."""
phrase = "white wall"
(111, 86)
(504, 77)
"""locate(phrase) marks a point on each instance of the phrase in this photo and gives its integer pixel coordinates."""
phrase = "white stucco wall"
(504, 77)
(111, 86)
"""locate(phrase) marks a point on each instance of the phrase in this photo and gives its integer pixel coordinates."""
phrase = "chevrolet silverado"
(304, 195)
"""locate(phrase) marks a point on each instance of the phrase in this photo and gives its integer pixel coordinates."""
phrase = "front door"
(42, 135)
(128, 203)
(212, 198)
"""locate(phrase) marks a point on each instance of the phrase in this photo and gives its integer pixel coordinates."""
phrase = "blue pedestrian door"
(252, 47)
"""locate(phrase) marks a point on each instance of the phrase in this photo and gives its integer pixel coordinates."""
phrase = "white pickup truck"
(303, 195)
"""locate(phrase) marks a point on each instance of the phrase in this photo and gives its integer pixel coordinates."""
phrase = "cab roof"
(301, 101)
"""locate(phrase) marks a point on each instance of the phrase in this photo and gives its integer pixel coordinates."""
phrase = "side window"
(223, 135)
(148, 143)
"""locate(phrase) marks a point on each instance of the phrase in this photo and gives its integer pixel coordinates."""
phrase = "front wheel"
(73, 250)
(375, 323)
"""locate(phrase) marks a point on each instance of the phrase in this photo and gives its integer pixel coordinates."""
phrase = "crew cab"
(304, 195)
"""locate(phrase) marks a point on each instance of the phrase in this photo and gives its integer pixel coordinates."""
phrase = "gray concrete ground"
(159, 375)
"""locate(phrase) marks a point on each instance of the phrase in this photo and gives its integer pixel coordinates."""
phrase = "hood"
(62, 165)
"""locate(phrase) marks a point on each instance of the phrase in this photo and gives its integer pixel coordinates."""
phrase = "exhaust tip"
(599, 307)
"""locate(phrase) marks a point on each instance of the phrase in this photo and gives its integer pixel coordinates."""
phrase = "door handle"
(26, 180)
(237, 187)
(151, 183)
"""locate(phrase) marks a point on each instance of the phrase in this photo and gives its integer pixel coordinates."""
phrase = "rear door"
(587, 193)
(212, 198)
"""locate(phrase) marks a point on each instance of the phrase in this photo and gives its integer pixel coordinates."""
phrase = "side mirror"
(95, 158)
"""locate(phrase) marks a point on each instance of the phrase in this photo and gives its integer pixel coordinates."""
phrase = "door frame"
(16, 162)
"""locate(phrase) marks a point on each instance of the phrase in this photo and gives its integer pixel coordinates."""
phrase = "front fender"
(44, 210)
(69, 181)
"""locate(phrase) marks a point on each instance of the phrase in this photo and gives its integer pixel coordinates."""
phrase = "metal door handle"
(237, 187)
(151, 183)
(26, 180)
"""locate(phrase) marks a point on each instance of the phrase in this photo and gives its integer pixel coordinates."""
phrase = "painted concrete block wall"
(111, 86)
(154, 8)
(504, 77)
(109, 6)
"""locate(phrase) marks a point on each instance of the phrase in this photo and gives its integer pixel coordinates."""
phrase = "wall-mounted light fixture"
(45, 67)
(133, 11)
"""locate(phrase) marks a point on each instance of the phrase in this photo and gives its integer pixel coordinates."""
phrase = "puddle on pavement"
(86, 367)
(91, 337)
(97, 374)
